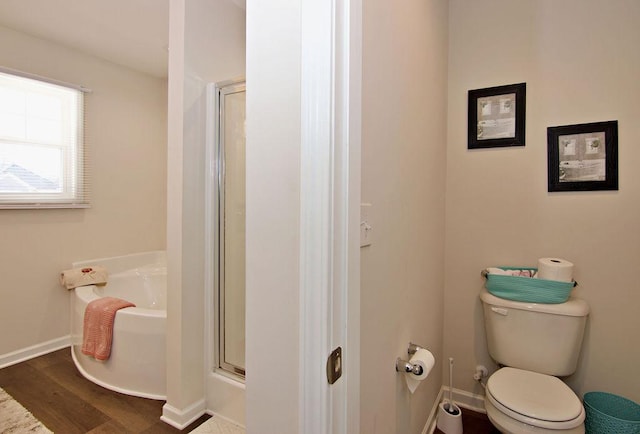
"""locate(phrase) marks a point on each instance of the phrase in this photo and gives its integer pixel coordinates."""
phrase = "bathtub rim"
(118, 264)
(86, 294)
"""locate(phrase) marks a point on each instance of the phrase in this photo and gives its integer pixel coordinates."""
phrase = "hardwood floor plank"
(57, 408)
(137, 414)
(53, 390)
(111, 427)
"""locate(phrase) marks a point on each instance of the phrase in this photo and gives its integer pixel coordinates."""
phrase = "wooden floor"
(52, 389)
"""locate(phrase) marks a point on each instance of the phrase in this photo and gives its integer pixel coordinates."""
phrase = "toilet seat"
(535, 399)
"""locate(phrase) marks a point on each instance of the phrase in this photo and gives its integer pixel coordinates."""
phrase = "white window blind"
(43, 161)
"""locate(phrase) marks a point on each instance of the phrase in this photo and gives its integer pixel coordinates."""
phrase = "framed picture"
(497, 116)
(583, 157)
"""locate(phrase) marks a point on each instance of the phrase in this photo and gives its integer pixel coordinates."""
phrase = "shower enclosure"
(229, 227)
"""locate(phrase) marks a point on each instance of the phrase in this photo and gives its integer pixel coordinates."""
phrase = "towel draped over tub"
(99, 317)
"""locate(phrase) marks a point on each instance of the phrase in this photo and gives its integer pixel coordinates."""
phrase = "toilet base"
(508, 425)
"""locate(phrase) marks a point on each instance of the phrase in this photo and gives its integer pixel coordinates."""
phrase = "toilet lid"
(533, 395)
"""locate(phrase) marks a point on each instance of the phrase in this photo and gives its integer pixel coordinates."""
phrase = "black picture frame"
(497, 116)
(583, 157)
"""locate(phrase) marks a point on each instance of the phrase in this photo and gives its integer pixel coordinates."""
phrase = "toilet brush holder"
(449, 418)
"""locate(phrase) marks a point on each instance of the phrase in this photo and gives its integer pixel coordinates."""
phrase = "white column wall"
(273, 208)
(206, 45)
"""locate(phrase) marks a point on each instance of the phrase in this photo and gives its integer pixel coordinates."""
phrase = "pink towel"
(98, 326)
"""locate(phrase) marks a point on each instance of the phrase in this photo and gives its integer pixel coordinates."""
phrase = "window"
(42, 156)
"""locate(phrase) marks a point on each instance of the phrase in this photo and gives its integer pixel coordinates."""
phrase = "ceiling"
(133, 33)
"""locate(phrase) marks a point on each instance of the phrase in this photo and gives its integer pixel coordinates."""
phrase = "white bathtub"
(137, 363)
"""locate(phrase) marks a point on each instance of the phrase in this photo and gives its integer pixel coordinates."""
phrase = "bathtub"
(137, 363)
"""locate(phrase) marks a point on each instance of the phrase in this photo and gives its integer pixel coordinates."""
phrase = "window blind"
(43, 155)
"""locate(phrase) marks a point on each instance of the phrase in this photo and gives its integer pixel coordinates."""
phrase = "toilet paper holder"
(405, 366)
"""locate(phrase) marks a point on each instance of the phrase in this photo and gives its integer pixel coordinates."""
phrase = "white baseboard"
(34, 351)
(462, 398)
(430, 426)
(467, 400)
(180, 419)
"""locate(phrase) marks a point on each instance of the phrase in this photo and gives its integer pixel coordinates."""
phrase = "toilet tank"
(544, 338)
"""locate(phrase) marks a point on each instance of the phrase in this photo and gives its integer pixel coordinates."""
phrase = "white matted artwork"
(583, 157)
(496, 116)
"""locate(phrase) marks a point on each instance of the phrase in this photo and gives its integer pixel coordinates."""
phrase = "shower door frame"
(224, 390)
(222, 89)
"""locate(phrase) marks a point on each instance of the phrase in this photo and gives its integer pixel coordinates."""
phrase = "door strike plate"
(334, 365)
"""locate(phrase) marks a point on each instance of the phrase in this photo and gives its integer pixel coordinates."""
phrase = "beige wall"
(581, 63)
(125, 128)
(403, 174)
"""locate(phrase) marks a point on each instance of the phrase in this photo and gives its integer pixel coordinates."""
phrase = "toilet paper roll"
(425, 359)
(555, 269)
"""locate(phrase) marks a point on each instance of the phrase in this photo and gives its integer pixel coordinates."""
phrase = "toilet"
(534, 344)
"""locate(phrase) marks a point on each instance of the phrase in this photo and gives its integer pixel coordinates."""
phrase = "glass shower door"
(231, 236)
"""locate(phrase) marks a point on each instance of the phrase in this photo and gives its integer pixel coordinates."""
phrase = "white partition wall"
(206, 45)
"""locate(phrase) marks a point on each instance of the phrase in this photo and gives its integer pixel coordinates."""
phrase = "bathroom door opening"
(229, 256)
